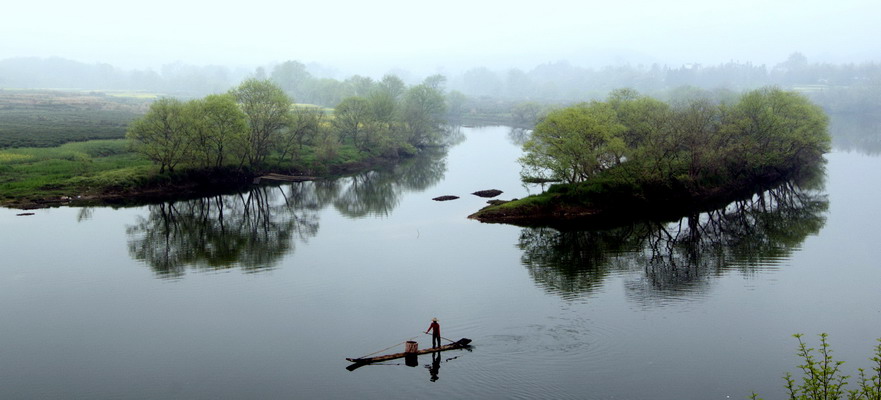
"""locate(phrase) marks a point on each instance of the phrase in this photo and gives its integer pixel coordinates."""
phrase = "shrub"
(822, 377)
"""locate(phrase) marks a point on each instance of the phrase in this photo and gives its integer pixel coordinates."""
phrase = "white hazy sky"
(442, 35)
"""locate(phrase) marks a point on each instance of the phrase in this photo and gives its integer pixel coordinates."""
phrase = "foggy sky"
(441, 36)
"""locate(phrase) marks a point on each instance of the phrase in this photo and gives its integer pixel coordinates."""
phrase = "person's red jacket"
(436, 327)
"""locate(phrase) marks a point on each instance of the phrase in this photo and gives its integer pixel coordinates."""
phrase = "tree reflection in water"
(379, 192)
(253, 230)
(680, 257)
(856, 132)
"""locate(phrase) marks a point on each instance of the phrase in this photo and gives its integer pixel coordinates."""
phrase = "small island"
(633, 157)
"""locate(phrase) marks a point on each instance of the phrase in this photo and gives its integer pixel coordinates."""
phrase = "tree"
(456, 101)
(393, 86)
(422, 113)
(220, 129)
(526, 113)
(650, 139)
(643, 116)
(161, 135)
(435, 82)
(574, 144)
(304, 127)
(382, 128)
(695, 127)
(482, 82)
(359, 85)
(266, 107)
(326, 92)
(350, 119)
(771, 129)
(292, 77)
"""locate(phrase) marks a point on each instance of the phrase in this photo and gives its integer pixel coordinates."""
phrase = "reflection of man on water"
(435, 366)
(435, 336)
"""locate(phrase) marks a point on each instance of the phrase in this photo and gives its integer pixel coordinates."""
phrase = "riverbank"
(106, 172)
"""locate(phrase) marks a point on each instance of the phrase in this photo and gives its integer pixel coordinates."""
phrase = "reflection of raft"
(461, 344)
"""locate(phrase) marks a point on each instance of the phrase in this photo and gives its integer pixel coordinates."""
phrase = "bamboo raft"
(460, 344)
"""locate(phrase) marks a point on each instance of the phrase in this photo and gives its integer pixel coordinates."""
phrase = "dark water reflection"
(678, 258)
(250, 230)
(253, 230)
(379, 192)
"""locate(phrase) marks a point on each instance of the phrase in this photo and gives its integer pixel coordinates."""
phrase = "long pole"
(449, 340)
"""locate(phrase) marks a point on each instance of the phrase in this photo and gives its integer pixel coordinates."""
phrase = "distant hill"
(60, 73)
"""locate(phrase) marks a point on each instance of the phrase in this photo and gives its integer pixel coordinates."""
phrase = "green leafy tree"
(773, 130)
(267, 107)
(574, 144)
(393, 86)
(327, 145)
(359, 86)
(642, 116)
(219, 130)
(456, 105)
(326, 92)
(382, 128)
(422, 114)
(436, 82)
(162, 134)
(304, 126)
(292, 77)
(350, 118)
(696, 126)
(526, 113)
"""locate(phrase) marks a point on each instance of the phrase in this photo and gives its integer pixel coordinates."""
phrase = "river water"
(264, 294)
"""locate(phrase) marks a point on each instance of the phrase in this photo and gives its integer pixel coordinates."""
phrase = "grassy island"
(633, 156)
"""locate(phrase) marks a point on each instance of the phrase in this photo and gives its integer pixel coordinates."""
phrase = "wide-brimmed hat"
(434, 319)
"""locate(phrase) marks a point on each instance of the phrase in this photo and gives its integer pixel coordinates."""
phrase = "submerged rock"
(488, 193)
(445, 198)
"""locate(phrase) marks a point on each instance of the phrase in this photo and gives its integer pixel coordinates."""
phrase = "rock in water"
(488, 193)
(445, 198)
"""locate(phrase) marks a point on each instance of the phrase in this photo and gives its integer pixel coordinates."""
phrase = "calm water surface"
(264, 294)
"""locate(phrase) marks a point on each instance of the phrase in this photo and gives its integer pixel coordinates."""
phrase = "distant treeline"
(480, 95)
(564, 82)
(559, 82)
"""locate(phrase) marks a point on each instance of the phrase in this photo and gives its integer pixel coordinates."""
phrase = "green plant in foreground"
(822, 377)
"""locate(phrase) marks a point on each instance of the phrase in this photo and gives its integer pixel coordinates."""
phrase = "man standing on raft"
(435, 336)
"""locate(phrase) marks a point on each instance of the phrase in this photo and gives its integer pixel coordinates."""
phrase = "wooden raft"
(461, 344)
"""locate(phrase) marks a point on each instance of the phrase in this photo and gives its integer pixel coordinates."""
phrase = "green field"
(32, 118)
(69, 169)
